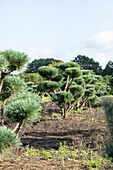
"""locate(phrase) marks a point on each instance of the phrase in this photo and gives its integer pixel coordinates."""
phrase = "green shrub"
(8, 140)
(107, 102)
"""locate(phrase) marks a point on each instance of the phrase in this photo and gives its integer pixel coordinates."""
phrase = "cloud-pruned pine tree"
(61, 89)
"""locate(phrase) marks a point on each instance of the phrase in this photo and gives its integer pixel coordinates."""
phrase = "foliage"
(63, 97)
(55, 64)
(65, 153)
(34, 65)
(15, 60)
(47, 86)
(11, 85)
(24, 106)
(73, 88)
(88, 63)
(47, 72)
(58, 86)
(66, 65)
(11, 61)
(107, 102)
(77, 91)
(3, 63)
(31, 77)
(8, 140)
(108, 69)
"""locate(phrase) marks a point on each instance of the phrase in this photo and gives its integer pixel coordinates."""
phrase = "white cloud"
(100, 47)
(101, 42)
(40, 53)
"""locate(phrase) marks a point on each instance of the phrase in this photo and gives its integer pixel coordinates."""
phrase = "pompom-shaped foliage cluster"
(87, 72)
(16, 60)
(47, 86)
(11, 84)
(87, 78)
(8, 139)
(23, 107)
(90, 92)
(73, 72)
(48, 72)
(94, 99)
(79, 80)
(63, 97)
(66, 65)
(77, 91)
(88, 86)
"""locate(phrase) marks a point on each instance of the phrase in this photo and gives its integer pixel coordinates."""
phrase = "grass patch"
(66, 153)
(46, 99)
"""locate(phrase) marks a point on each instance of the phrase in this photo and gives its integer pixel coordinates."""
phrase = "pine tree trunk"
(18, 127)
(2, 112)
(65, 112)
(78, 105)
(2, 80)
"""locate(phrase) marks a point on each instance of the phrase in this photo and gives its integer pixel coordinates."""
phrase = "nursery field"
(77, 142)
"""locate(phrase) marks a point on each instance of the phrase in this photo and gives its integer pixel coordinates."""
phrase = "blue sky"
(60, 29)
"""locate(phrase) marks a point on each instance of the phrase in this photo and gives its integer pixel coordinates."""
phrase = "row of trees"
(84, 62)
(70, 87)
(66, 84)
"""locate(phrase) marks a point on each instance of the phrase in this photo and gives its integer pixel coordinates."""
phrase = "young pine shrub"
(8, 140)
(23, 108)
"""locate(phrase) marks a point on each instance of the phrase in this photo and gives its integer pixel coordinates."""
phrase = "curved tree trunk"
(18, 127)
(2, 112)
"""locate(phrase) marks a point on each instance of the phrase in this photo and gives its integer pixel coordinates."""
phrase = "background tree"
(108, 69)
(34, 65)
(88, 63)
(11, 61)
(31, 77)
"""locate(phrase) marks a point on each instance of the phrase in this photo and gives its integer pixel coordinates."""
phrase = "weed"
(18, 159)
(46, 99)
(93, 162)
(46, 154)
(93, 120)
(103, 121)
(56, 116)
(32, 152)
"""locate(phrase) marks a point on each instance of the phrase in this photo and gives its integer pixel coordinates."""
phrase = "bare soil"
(82, 129)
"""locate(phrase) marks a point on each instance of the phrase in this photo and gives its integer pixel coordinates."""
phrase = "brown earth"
(81, 129)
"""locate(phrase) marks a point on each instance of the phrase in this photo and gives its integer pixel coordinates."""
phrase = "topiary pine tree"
(23, 108)
(11, 85)
(93, 88)
(9, 62)
(61, 88)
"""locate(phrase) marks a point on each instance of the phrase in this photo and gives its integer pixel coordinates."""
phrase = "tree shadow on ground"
(52, 140)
